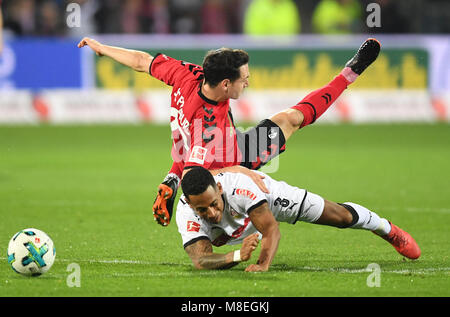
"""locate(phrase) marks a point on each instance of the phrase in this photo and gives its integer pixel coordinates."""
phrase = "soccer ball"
(31, 252)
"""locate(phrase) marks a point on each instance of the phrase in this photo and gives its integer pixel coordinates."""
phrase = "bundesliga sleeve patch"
(193, 226)
(198, 155)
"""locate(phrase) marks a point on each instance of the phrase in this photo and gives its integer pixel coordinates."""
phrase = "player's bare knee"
(297, 117)
(293, 117)
(288, 120)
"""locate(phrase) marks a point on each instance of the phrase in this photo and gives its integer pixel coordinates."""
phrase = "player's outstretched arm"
(264, 221)
(137, 60)
(203, 257)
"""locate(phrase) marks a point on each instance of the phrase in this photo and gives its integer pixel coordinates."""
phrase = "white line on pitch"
(422, 271)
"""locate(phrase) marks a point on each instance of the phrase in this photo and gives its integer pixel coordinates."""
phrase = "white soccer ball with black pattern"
(31, 252)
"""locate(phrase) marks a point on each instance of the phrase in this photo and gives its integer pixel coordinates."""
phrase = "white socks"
(369, 220)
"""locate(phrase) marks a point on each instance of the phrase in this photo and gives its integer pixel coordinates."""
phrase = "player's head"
(203, 194)
(227, 69)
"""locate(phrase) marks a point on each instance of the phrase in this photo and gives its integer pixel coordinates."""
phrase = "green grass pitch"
(91, 189)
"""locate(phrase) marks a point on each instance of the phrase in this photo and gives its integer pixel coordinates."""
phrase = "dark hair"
(196, 181)
(223, 63)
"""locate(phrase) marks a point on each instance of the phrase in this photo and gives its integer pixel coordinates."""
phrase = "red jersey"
(203, 131)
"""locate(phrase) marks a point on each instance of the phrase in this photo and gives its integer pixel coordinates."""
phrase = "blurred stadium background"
(295, 46)
(84, 141)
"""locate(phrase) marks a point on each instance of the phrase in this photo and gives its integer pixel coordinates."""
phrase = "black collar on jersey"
(212, 102)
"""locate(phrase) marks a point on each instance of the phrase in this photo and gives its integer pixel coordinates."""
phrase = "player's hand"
(93, 44)
(256, 178)
(248, 246)
(256, 268)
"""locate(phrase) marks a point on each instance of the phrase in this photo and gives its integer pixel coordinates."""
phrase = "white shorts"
(290, 203)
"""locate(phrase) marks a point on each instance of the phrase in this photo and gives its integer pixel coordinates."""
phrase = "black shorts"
(260, 144)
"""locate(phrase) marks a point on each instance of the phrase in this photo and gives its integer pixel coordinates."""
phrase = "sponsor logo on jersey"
(245, 192)
(198, 155)
(193, 226)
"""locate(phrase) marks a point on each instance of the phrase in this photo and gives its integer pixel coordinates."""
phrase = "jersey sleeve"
(177, 169)
(191, 227)
(170, 70)
(246, 195)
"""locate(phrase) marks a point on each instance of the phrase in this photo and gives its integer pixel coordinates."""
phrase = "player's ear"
(220, 188)
(225, 84)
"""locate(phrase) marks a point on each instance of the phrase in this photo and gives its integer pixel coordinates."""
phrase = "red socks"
(318, 101)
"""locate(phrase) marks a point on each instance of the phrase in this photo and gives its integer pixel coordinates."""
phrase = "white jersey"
(241, 195)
